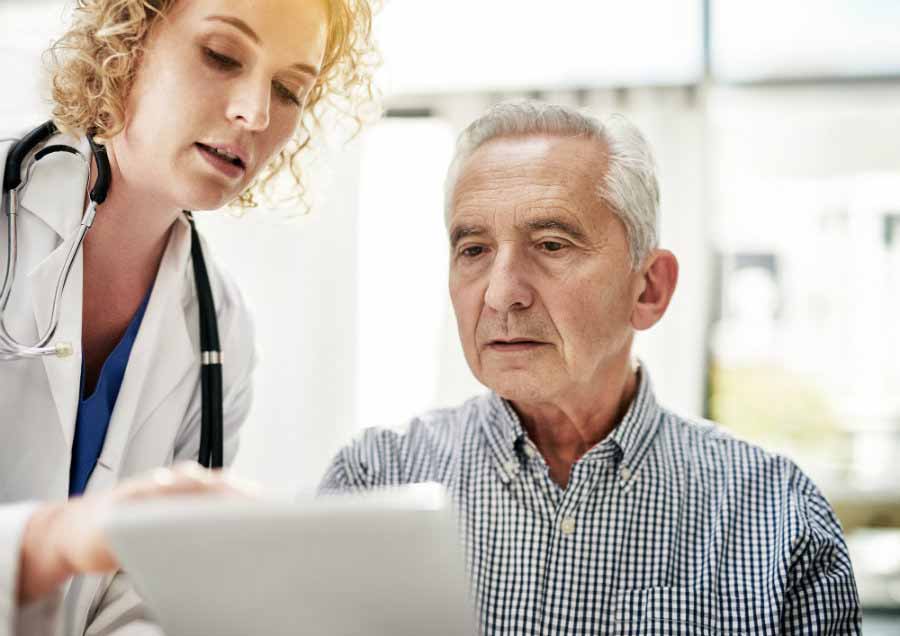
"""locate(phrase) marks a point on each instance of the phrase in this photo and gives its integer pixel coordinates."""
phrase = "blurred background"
(776, 128)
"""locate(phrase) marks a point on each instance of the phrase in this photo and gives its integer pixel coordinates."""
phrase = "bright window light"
(402, 269)
(436, 46)
(771, 39)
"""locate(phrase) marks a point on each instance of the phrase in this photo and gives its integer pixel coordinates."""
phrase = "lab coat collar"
(56, 191)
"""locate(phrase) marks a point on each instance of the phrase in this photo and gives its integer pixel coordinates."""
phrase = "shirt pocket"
(684, 611)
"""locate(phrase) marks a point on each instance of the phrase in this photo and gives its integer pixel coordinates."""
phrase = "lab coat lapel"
(55, 195)
(63, 374)
(161, 357)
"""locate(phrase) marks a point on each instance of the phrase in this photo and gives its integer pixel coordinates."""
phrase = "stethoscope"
(211, 434)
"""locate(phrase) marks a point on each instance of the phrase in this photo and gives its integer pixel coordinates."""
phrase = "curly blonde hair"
(93, 66)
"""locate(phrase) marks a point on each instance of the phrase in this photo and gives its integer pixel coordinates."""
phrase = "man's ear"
(660, 275)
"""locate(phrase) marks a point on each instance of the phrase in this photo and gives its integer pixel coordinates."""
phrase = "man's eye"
(472, 251)
(222, 61)
(551, 246)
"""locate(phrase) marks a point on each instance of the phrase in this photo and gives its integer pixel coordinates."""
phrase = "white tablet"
(385, 563)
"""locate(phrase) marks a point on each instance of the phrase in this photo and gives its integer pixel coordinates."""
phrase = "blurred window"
(433, 46)
(772, 39)
(805, 348)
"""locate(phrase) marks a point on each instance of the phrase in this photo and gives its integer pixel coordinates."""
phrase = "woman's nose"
(250, 104)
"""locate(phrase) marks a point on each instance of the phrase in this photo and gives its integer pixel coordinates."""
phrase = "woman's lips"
(223, 165)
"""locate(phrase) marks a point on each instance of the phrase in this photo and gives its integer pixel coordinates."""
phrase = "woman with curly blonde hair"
(198, 104)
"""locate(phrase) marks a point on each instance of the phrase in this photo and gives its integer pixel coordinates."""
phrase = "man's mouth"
(514, 344)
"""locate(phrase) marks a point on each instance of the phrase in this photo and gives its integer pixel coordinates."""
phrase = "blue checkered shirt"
(668, 526)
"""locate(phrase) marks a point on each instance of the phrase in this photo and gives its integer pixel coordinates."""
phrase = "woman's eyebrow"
(244, 28)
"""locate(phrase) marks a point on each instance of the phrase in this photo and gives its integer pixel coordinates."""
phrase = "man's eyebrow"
(244, 28)
(557, 224)
(462, 231)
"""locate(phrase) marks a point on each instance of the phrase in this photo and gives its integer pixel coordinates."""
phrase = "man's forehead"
(530, 172)
(507, 149)
(521, 182)
(536, 157)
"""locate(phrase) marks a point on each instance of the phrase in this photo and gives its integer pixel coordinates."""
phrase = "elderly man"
(585, 506)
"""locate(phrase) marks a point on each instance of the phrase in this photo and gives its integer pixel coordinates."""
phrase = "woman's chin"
(208, 199)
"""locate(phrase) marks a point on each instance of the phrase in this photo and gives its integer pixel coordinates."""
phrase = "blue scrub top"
(95, 411)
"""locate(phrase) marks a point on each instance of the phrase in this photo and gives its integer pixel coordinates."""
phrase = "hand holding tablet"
(65, 539)
(384, 563)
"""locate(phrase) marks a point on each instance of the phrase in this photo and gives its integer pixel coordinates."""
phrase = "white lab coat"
(156, 419)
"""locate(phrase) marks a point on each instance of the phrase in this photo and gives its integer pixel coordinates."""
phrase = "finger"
(218, 479)
(159, 483)
(195, 470)
(186, 480)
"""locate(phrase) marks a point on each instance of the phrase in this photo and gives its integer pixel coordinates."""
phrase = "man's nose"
(508, 286)
(250, 104)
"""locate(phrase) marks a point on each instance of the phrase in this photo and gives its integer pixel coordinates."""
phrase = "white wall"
(26, 29)
(299, 277)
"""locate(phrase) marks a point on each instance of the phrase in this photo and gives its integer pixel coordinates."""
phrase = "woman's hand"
(65, 539)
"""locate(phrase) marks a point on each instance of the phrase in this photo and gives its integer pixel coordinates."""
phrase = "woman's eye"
(222, 61)
(226, 63)
(287, 94)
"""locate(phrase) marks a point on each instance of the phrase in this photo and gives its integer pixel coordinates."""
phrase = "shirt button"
(625, 473)
(529, 451)
(511, 468)
(568, 525)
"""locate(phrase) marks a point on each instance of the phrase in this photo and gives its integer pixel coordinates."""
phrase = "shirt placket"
(568, 511)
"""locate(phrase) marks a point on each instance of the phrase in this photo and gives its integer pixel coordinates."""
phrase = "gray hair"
(629, 187)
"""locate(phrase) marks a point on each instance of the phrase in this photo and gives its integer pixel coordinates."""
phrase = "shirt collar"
(629, 441)
(635, 433)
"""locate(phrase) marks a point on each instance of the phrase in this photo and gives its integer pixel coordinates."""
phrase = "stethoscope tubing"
(211, 442)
